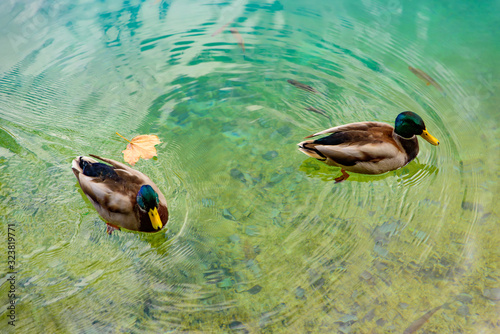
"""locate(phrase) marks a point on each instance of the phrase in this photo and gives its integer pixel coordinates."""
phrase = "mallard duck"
(123, 197)
(369, 147)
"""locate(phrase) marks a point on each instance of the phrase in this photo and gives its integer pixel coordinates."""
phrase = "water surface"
(260, 238)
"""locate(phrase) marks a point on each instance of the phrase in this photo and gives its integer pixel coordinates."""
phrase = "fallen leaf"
(142, 146)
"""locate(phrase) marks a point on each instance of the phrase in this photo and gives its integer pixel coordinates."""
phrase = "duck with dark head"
(123, 197)
(369, 147)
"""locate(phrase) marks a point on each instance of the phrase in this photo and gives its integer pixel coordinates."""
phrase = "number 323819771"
(11, 247)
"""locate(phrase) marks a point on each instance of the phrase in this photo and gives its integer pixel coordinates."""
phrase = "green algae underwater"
(260, 238)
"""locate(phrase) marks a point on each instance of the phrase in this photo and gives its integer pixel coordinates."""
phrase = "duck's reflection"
(412, 173)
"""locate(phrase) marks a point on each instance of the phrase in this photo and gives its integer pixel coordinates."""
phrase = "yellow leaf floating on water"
(140, 147)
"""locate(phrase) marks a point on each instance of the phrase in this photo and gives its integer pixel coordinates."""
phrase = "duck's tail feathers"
(79, 163)
(90, 167)
(307, 147)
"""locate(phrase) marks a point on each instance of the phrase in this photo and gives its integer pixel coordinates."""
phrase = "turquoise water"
(260, 238)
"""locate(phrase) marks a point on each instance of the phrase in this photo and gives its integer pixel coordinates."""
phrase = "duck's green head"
(147, 199)
(409, 124)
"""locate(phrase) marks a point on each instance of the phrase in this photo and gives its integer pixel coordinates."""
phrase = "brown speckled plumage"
(114, 195)
(367, 147)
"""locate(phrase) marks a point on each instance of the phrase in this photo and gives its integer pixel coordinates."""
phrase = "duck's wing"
(128, 174)
(108, 193)
(112, 162)
(132, 176)
(354, 143)
(350, 155)
(111, 196)
(360, 126)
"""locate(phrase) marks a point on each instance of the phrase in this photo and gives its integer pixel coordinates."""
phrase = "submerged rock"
(228, 215)
(235, 325)
(239, 277)
(266, 317)
(300, 293)
(238, 175)
(380, 250)
(284, 131)
(485, 217)
(270, 155)
(276, 178)
(366, 275)
(318, 283)
(254, 290)
(147, 306)
(369, 316)
(251, 230)
(472, 206)
(347, 319)
(234, 238)
(345, 329)
(238, 326)
(464, 298)
(492, 293)
(225, 283)
(275, 213)
(254, 267)
(403, 305)
(207, 202)
(463, 310)
(382, 234)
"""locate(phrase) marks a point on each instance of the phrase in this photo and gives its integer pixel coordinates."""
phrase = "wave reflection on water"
(260, 238)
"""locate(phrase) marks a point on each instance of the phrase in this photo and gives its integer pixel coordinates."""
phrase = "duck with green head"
(123, 197)
(369, 147)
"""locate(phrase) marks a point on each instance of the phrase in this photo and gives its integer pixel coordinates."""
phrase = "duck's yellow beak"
(427, 136)
(155, 218)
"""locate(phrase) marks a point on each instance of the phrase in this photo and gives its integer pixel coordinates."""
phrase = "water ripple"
(260, 238)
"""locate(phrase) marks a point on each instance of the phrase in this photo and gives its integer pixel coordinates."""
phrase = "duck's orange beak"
(431, 139)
